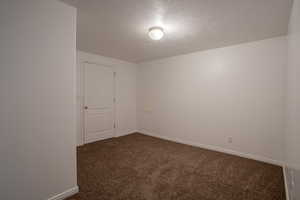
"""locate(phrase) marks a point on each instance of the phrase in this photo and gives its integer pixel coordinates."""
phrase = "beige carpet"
(139, 167)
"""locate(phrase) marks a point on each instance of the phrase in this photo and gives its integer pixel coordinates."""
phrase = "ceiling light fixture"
(156, 33)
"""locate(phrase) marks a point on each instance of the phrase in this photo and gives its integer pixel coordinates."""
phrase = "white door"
(98, 102)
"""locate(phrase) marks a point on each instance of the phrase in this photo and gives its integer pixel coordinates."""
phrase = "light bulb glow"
(156, 33)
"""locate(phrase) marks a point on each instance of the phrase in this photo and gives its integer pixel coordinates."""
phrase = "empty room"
(150, 99)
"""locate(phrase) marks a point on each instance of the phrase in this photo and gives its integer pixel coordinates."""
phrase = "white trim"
(127, 133)
(115, 101)
(216, 148)
(82, 111)
(284, 168)
(97, 63)
(65, 194)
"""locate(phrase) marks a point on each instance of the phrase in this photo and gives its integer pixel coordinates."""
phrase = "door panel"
(99, 104)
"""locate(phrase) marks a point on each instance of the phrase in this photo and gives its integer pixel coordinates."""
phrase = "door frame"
(82, 98)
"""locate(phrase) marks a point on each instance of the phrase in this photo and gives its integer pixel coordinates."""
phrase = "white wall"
(206, 97)
(37, 84)
(125, 93)
(293, 101)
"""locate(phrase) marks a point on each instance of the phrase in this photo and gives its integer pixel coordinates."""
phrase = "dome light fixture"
(156, 33)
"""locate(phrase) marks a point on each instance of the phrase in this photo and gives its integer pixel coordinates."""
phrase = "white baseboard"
(65, 194)
(126, 133)
(284, 168)
(216, 148)
(115, 136)
(80, 144)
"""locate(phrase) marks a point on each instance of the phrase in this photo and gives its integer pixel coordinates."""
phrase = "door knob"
(85, 107)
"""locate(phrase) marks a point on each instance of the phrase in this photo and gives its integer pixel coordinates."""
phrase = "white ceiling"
(118, 28)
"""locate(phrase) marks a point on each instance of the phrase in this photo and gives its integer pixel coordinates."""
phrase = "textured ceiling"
(118, 28)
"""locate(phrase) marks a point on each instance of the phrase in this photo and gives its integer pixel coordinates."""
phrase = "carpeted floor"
(139, 167)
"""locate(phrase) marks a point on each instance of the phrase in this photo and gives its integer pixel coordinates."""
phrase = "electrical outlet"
(229, 139)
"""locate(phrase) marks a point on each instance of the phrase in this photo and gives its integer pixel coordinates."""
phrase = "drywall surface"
(229, 99)
(37, 84)
(293, 104)
(125, 93)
